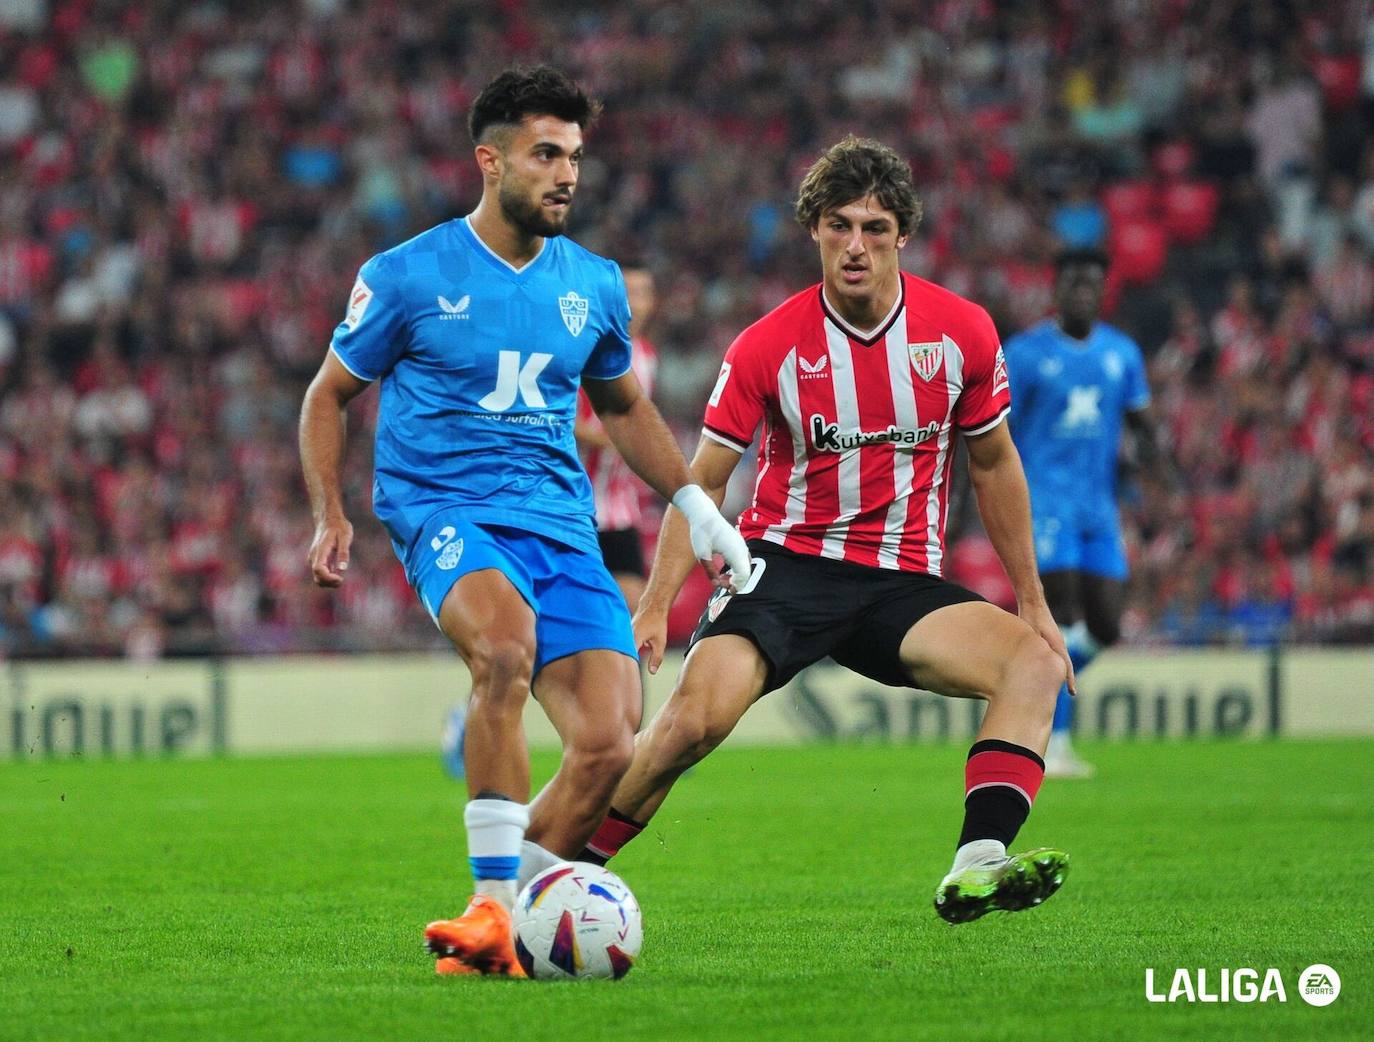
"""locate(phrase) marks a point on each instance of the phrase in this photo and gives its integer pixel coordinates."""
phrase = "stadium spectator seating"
(186, 192)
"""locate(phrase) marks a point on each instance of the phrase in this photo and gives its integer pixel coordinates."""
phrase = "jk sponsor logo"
(1318, 985)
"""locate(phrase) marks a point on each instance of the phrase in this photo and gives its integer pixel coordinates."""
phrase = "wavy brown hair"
(853, 169)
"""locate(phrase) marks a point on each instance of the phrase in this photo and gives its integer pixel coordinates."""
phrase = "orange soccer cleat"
(448, 966)
(479, 939)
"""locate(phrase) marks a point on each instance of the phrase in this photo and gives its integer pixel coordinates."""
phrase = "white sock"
(502, 890)
(496, 829)
(1080, 643)
(1060, 746)
(533, 860)
(977, 852)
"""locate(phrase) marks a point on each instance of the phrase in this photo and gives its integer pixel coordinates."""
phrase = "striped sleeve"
(736, 405)
(985, 399)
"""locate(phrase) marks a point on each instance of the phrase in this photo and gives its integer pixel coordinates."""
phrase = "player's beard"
(527, 215)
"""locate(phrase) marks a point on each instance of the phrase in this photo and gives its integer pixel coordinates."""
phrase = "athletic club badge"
(927, 357)
(574, 311)
(717, 604)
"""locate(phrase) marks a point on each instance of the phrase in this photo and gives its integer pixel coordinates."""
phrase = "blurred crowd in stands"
(187, 190)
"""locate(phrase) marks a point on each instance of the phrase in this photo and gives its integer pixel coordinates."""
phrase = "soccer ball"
(577, 920)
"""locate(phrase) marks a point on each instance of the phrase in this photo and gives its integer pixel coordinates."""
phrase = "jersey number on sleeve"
(515, 380)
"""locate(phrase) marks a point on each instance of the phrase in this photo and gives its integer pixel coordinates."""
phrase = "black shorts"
(799, 608)
(622, 550)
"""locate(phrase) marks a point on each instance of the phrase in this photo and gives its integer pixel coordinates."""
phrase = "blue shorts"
(577, 605)
(1073, 534)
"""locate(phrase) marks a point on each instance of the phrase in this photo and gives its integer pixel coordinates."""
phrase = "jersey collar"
(496, 258)
(871, 337)
(1073, 341)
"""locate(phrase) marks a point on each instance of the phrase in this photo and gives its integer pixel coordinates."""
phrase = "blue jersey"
(1068, 398)
(480, 364)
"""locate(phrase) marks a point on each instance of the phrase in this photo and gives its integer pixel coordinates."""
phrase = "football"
(577, 920)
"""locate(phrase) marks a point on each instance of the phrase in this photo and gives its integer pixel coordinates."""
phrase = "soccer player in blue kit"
(481, 330)
(1074, 381)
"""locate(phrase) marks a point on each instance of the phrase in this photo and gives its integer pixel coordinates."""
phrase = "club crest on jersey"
(926, 358)
(574, 310)
(448, 549)
(717, 604)
(449, 556)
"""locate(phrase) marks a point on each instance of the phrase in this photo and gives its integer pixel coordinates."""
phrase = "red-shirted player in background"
(619, 494)
(860, 385)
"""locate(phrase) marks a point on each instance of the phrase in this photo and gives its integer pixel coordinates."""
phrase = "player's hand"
(329, 551)
(1040, 619)
(711, 535)
(651, 636)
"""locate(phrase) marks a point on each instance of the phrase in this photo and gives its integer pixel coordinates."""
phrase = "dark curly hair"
(852, 169)
(1081, 255)
(523, 91)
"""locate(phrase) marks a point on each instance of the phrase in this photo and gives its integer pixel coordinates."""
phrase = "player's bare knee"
(609, 755)
(1042, 669)
(676, 742)
(599, 763)
(1031, 674)
(699, 735)
(713, 733)
(501, 671)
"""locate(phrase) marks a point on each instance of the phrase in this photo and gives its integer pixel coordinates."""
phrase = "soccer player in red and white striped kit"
(862, 385)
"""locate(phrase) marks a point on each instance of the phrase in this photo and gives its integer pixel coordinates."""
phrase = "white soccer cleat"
(1004, 884)
(1068, 765)
(1062, 762)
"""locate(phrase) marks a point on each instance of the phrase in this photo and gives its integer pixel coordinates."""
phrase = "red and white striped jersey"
(617, 491)
(858, 430)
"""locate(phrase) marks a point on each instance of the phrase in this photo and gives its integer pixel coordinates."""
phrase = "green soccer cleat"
(1009, 885)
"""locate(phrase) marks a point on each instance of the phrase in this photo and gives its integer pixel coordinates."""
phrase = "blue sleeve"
(1137, 385)
(611, 356)
(1020, 374)
(371, 337)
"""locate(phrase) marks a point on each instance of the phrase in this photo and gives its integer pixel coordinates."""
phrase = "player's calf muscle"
(701, 714)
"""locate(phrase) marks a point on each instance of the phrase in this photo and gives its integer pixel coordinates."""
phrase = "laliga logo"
(1318, 985)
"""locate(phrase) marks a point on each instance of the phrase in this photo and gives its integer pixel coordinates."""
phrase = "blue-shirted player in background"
(1074, 381)
(481, 331)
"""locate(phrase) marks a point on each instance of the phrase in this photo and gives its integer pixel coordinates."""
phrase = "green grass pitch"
(786, 894)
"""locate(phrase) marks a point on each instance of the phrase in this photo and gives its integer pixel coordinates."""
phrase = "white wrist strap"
(694, 503)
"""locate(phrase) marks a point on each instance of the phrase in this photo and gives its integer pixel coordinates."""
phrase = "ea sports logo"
(1319, 984)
